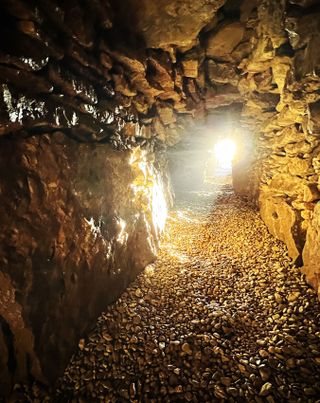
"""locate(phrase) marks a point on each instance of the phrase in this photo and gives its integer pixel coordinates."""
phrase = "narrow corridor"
(221, 316)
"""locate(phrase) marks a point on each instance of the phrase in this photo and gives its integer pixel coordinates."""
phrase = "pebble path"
(223, 315)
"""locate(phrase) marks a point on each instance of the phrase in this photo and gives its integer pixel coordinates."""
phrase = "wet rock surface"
(223, 315)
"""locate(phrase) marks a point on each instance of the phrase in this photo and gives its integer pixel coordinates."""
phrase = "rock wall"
(71, 240)
(281, 89)
(264, 56)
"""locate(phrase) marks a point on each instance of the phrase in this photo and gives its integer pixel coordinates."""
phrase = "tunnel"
(159, 201)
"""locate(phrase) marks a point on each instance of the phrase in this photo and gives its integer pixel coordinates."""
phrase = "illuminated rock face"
(72, 239)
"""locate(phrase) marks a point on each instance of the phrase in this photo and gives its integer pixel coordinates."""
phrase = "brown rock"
(121, 85)
(79, 226)
(266, 389)
(165, 25)
(222, 73)
(221, 96)
(310, 254)
(190, 68)
(282, 221)
(221, 43)
(166, 115)
(106, 60)
(160, 74)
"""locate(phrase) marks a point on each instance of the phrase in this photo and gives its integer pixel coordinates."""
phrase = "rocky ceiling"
(135, 76)
(131, 72)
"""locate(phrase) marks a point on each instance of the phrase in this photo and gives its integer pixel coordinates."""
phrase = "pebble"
(186, 348)
(264, 373)
(265, 389)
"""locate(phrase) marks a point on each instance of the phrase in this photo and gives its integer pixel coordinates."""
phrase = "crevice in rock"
(9, 340)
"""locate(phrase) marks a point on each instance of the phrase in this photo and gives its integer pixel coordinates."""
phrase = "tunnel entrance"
(201, 163)
(218, 167)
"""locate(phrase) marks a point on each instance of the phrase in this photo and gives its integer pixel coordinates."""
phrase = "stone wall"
(281, 89)
(263, 55)
(71, 240)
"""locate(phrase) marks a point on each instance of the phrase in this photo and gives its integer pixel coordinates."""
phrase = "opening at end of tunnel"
(219, 163)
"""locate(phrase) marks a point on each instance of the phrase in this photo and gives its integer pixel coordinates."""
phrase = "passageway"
(223, 315)
(160, 201)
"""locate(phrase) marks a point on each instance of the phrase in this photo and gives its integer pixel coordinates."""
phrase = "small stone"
(106, 336)
(232, 391)
(242, 368)
(136, 320)
(138, 293)
(186, 348)
(132, 390)
(133, 340)
(188, 396)
(178, 389)
(177, 371)
(81, 344)
(220, 393)
(309, 391)
(293, 296)
(265, 373)
(278, 298)
(261, 342)
(226, 381)
(263, 353)
(317, 360)
(265, 389)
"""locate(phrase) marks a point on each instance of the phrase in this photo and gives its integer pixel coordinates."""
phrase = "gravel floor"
(221, 316)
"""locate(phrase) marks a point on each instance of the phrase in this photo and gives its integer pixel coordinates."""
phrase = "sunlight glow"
(149, 190)
(159, 207)
(224, 152)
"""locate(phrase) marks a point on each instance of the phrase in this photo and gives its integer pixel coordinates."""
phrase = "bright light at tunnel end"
(224, 152)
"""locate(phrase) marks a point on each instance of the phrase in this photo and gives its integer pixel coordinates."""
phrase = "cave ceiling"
(135, 72)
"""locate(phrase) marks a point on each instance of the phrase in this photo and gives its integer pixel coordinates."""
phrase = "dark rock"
(71, 85)
(25, 81)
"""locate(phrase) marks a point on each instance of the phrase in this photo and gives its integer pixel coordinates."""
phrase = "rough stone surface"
(71, 241)
(311, 266)
(282, 221)
(170, 22)
(222, 43)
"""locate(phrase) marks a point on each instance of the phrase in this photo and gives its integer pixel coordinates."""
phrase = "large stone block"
(169, 22)
(225, 40)
(311, 251)
(283, 222)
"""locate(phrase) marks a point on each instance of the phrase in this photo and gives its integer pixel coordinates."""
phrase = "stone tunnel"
(135, 266)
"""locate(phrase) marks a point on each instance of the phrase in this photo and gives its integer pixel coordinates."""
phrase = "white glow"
(122, 235)
(224, 152)
(95, 229)
(148, 190)
(159, 207)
